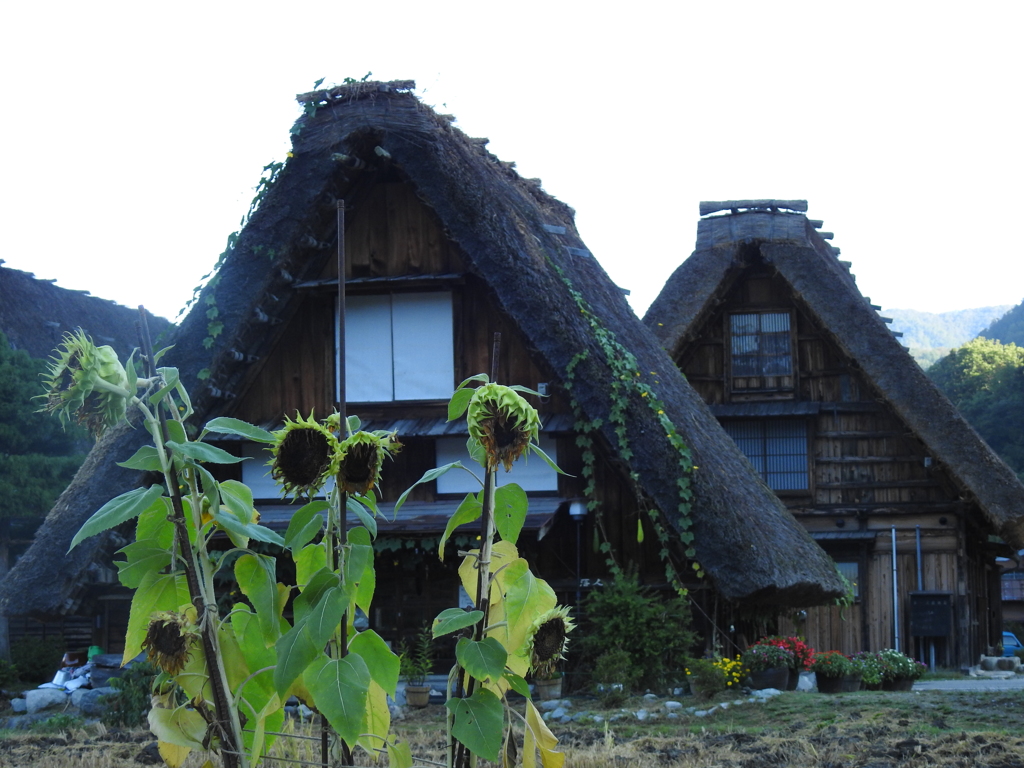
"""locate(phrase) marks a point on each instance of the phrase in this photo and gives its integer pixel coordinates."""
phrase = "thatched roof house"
(517, 251)
(769, 325)
(36, 314)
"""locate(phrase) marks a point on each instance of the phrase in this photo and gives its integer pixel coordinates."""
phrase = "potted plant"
(803, 655)
(834, 673)
(870, 668)
(768, 665)
(899, 671)
(415, 665)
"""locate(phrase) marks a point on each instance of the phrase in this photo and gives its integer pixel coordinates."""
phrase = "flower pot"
(794, 679)
(548, 689)
(776, 677)
(417, 695)
(898, 684)
(843, 684)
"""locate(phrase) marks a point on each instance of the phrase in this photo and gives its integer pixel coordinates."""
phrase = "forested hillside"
(930, 335)
(1008, 328)
(985, 380)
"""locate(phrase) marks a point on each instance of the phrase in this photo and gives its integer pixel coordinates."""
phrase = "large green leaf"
(340, 688)
(257, 578)
(319, 584)
(228, 426)
(380, 660)
(154, 524)
(118, 510)
(377, 723)
(429, 476)
(526, 597)
(510, 505)
(469, 510)
(156, 592)
(180, 726)
(459, 403)
(305, 524)
(354, 506)
(304, 642)
(310, 559)
(453, 619)
(399, 755)
(141, 557)
(483, 659)
(204, 452)
(146, 459)
(478, 722)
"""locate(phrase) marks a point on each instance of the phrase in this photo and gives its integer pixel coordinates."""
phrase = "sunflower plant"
(243, 666)
(516, 628)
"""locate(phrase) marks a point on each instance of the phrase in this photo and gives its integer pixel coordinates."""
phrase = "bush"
(870, 667)
(129, 705)
(803, 654)
(9, 673)
(896, 665)
(615, 675)
(710, 676)
(759, 657)
(61, 722)
(654, 632)
(38, 660)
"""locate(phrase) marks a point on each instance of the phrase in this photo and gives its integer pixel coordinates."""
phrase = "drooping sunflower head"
(547, 640)
(362, 455)
(304, 455)
(86, 383)
(169, 640)
(503, 423)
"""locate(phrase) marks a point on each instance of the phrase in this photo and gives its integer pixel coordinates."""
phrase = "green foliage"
(710, 676)
(654, 631)
(61, 722)
(38, 660)
(128, 706)
(417, 662)
(9, 673)
(985, 380)
(38, 458)
(615, 675)
(833, 664)
(1009, 329)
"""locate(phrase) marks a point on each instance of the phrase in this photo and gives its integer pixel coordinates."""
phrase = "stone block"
(44, 698)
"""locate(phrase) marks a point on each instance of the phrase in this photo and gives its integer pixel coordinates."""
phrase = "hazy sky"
(134, 133)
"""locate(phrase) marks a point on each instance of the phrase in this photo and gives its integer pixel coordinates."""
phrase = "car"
(1011, 644)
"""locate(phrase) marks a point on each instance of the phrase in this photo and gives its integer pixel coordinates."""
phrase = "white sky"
(133, 134)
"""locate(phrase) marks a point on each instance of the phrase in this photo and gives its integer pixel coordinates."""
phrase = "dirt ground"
(966, 730)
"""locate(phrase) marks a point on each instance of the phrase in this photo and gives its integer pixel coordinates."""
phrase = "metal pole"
(579, 561)
(341, 322)
(895, 595)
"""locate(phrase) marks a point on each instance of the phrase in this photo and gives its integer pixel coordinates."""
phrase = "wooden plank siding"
(867, 473)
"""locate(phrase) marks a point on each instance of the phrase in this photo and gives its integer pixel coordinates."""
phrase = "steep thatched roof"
(790, 243)
(36, 314)
(517, 239)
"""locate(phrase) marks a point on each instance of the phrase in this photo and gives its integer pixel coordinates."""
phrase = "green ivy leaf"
(453, 619)
(227, 426)
(478, 722)
(340, 688)
(483, 659)
(118, 510)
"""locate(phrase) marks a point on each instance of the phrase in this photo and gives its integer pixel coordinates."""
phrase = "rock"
(24, 722)
(988, 663)
(764, 694)
(672, 715)
(552, 704)
(806, 682)
(149, 755)
(18, 705)
(724, 705)
(650, 697)
(558, 713)
(641, 714)
(671, 705)
(44, 698)
(88, 700)
(598, 718)
(565, 719)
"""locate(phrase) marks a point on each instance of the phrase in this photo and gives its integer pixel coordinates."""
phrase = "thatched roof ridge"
(825, 285)
(36, 314)
(516, 238)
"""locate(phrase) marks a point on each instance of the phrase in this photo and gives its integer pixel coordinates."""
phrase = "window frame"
(760, 462)
(730, 355)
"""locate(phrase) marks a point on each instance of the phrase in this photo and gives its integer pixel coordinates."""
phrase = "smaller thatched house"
(769, 327)
(442, 245)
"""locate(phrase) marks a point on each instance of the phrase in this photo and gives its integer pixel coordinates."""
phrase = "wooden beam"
(857, 486)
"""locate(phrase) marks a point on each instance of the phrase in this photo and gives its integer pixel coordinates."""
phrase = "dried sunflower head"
(547, 641)
(503, 423)
(169, 639)
(304, 455)
(362, 455)
(87, 383)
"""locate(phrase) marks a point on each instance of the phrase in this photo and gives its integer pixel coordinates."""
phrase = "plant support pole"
(895, 595)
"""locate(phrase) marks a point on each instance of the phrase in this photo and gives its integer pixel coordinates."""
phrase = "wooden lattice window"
(761, 350)
(777, 449)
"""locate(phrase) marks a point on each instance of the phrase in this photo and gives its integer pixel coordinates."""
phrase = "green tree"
(37, 458)
(985, 380)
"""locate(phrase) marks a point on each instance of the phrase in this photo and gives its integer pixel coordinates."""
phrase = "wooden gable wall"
(867, 472)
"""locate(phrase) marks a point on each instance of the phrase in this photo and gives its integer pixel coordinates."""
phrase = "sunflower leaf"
(468, 511)
(453, 619)
(228, 426)
(118, 510)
